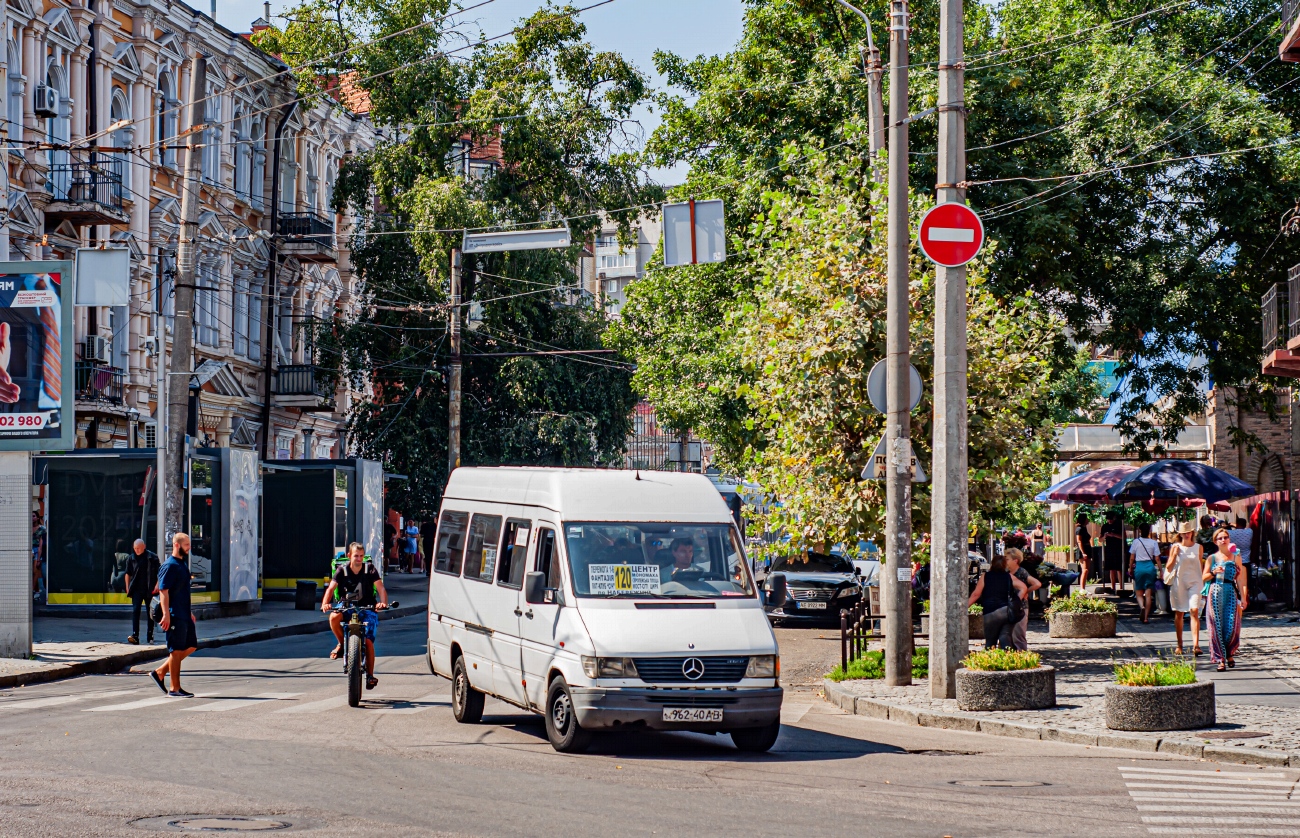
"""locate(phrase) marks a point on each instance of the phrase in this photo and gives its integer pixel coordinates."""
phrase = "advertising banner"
(36, 359)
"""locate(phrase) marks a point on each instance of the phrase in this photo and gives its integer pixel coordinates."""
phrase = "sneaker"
(159, 681)
(133, 640)
(180, 694)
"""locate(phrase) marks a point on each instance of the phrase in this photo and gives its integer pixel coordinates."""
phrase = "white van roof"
(588, 494)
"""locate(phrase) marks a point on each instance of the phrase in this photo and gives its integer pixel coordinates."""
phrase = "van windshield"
(656, 561)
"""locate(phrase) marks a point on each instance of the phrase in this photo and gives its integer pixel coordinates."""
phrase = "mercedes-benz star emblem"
(693, 669)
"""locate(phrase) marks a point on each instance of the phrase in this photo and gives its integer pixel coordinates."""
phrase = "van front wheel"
(756, 740)
(562, 727)
(466, 702)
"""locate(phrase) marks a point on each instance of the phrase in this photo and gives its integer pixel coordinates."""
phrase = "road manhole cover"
(1234, 734)
(999, 784)
(212, 823)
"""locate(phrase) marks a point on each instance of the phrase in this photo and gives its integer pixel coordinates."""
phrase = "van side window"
(481, 547)
(513, 558)
(548, 560)
(451, 542)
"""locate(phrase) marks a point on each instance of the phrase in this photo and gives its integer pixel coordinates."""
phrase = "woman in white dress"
(1186, 562)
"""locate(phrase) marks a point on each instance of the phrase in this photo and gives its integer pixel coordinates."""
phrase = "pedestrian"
(428, 535)
(177, 620)
(1083, 546)
(1112, 548)
(1038, 541)
(1020, 630)
(1143, 553)
(1205, 535)
(1184, 576)
(141, 576)
(409, 546)
(1243, 537)
(1226, 598)
(998, 592)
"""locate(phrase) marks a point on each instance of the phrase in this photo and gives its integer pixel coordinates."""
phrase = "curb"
(116, 663)
(886, 711)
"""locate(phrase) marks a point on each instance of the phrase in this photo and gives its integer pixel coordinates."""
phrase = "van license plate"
(692, 714)
(813, 605)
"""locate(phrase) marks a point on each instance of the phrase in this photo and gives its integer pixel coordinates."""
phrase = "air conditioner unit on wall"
(149, 435)
(47, 101)
(97, 349)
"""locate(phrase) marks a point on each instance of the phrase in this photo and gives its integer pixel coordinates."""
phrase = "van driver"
(682, 551)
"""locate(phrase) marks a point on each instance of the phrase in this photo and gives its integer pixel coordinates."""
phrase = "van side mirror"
(777, 592)
(535, 587)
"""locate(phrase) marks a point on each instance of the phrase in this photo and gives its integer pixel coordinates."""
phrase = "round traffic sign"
(951, 235)
(876, 382)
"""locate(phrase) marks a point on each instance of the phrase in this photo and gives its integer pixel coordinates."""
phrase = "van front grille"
(717, 670)
(692, 698)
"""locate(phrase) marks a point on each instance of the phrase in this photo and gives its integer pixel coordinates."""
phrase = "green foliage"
(975, 610)
(1001, 660)
(556, 109)
(872, 665)
(1170, 673)
(1079, 602)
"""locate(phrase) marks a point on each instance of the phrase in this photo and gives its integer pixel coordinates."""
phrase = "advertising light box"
(36, 359)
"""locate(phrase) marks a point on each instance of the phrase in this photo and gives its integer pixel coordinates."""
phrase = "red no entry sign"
(951, 235)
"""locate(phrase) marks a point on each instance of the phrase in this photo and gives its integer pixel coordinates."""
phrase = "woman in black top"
(1083, 544)
(994, 591)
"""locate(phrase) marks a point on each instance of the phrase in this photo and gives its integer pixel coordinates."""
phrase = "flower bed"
(1005, 679)
(872, 665)
(1162, 695)
(1081, 615)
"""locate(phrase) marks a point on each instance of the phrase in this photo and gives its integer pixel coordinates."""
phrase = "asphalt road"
(270, 739)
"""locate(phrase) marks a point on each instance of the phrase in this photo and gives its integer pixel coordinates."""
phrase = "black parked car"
(818, 585)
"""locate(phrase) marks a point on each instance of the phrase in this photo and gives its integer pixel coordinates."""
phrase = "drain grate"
(1234, 734)
(212, 823)
(999, 784)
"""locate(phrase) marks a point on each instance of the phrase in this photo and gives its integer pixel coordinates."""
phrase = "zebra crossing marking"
(1257, 804)
(130, 705)
(220, 705)
(323, 705)
(56, 700)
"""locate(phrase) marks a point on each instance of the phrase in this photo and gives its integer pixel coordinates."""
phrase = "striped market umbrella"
(1087, 487)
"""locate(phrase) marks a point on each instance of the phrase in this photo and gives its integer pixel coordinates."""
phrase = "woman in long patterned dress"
(1226, 599)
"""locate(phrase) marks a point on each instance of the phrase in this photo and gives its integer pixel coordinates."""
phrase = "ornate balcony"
(302, 386)
(1289, 49)
(99, 383)
(1280, 310)
(85, 193)
(308, 237)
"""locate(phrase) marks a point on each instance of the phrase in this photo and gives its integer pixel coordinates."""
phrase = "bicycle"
(354, 643)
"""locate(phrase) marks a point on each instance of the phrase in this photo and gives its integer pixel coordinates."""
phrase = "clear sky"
(634, 28)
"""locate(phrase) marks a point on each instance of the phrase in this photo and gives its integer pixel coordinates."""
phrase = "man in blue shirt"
(177, 619)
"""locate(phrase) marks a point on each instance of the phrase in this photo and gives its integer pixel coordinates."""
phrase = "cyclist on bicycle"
(358, 583)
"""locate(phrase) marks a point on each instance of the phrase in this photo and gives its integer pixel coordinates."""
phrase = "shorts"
(369, 621)
(182, 636)
(1144, 576)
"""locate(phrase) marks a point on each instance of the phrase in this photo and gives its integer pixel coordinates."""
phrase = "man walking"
(177, 621)
(141, 574)
(1244, 539)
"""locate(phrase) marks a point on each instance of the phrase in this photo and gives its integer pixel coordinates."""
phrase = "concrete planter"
(976, 626)
(1021, 689)
(1081, 625)
(1184, 707)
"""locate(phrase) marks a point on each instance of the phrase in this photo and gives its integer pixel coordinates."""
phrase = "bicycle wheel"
(355, 668)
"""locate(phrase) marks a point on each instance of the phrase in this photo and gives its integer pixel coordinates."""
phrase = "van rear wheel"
(756, 740)
(562, 728)
(466, 702)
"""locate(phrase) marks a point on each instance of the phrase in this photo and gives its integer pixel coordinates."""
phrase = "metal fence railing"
(299, 380)
(1273, 308)
(98, 181)
(99, 382)
(1290, 8)
(857, 628)
(1292, 318)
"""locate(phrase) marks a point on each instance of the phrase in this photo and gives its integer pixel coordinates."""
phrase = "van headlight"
(608, 667)
(763, 666)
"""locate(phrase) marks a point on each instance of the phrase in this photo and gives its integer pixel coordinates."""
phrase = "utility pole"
(949, 626)
(182, 360)
(875, 97)
(453, 386)
(160, 415)
(897, 589)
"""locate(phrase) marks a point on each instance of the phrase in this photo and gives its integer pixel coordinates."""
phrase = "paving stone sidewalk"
(1258, 701)
(65, 647)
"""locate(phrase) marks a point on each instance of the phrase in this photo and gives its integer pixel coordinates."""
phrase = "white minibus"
(604, 600)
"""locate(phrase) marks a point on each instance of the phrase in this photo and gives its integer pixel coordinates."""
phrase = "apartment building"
(106, 83)
(609, 266)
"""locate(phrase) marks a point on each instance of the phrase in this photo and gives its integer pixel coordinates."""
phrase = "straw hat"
(1187, 526)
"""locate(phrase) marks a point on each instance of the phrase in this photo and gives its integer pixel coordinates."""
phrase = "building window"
(241, 316)
(119, 161)
(284, 446)
(255, 323)
(259, 164)
(243, 156)
(212, 137)
(205, 305)
(15, 92)
(168, 116)
(625, 259)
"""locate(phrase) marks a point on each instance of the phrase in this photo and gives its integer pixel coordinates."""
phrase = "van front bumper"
(600, 708)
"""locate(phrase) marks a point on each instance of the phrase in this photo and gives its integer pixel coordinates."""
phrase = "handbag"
(155, 610)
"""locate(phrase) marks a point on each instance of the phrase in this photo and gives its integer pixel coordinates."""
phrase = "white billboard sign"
(694, 233)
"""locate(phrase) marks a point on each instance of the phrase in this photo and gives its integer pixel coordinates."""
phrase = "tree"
(815, 327)
(554, 113)
(1162, 263)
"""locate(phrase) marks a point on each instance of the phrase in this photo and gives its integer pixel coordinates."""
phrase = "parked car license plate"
(813, 605)
(692, 714)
